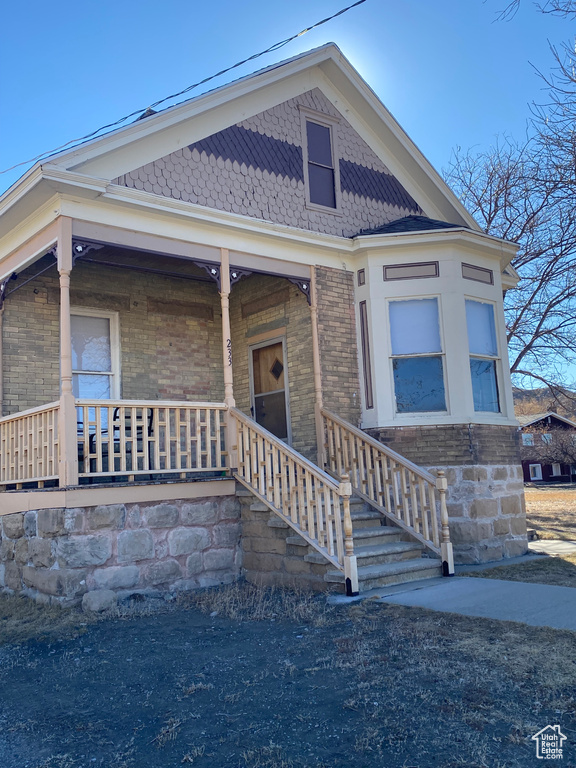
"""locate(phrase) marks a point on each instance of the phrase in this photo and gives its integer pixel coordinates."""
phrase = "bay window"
(483, 355)
(417, 356)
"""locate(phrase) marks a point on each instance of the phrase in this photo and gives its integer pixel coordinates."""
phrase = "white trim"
(115, 353)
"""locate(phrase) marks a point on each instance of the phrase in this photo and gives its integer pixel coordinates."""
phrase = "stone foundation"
(273, 554)
(58, 555)
(487, 512)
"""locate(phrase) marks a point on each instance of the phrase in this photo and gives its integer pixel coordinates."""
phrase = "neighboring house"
(217, 297)
(548, 448)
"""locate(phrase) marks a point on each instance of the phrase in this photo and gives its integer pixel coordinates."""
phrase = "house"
(253, 333)
(548, 448)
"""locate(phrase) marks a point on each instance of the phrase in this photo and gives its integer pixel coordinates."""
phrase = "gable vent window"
(321, 175)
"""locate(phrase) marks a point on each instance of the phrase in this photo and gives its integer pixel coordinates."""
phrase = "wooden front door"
(270, 388)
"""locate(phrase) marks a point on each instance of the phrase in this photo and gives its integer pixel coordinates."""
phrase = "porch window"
(483, 355)
(95, 354)
(417, 357)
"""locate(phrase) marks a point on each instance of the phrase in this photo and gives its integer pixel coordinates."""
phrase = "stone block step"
(375, 535)
(388, 552)
(387, 574)
(277, 522)
(259, 506)
(296, 541)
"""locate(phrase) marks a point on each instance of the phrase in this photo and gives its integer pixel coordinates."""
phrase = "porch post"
(317, 371)
(67, 436)
(231, 427)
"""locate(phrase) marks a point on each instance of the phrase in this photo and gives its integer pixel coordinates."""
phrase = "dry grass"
(22, 619)
(291, 682)
(248, 602)
(557, 571)
(551, 511)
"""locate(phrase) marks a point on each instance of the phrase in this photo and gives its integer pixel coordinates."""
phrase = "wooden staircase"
(383, 553)
(388, 526)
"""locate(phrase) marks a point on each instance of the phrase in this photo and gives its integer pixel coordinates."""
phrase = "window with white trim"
(95, 354)
(320, 158)
(535, 471)
(547, 438)
(527, 438)
(417, 356)
(556, 469)
(483, 348)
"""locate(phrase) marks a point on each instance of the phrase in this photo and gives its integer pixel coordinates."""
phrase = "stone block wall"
(273, 554)
(487, 512)
(153, 548)
(170, 334)
(485, 496)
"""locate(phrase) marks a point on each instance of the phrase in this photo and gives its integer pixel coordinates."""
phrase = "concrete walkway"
(538, 605)
(553, 547)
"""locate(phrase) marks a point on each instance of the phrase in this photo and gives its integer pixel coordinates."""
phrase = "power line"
(275, 47)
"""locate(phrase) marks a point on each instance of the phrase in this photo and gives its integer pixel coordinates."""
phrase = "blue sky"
(450, 73)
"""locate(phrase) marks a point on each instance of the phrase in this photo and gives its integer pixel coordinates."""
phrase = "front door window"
(269, 388)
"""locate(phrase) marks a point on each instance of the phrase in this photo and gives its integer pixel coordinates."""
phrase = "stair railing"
(299, 492)
(397, 488)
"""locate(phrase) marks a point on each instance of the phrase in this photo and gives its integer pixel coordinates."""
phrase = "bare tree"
(516, 192)
(555, 445)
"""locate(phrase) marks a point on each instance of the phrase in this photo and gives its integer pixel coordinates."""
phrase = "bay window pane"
(414, 327)
(484, 385)
(419, 384)
(91, 343)
(481, 328)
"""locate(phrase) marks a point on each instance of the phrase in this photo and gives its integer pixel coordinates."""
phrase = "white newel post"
(350, 564)
(67, 429)
(317, 371)
(445, 543)
(231, 427)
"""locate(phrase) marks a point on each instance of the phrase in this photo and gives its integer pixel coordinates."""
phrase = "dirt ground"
(551, 511)
(240, 678)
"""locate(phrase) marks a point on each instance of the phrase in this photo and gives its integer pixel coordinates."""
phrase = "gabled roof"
(86, 170)
(534, 418)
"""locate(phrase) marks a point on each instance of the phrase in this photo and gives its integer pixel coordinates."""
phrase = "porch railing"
(397, 488)
(299, 492)
(29, 445)
(136, 437)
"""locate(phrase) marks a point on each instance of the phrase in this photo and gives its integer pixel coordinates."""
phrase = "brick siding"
(453, 444)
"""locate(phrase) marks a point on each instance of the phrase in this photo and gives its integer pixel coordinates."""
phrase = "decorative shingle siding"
(337, 336)
(167, 352)
(255, 168)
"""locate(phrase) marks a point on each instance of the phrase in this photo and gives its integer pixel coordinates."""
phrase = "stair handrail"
(302, 494)
(399, 489)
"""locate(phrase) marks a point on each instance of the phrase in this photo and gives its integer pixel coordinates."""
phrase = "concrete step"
(387, 574)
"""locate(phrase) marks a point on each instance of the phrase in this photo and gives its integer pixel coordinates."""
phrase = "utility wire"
(275, 47)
